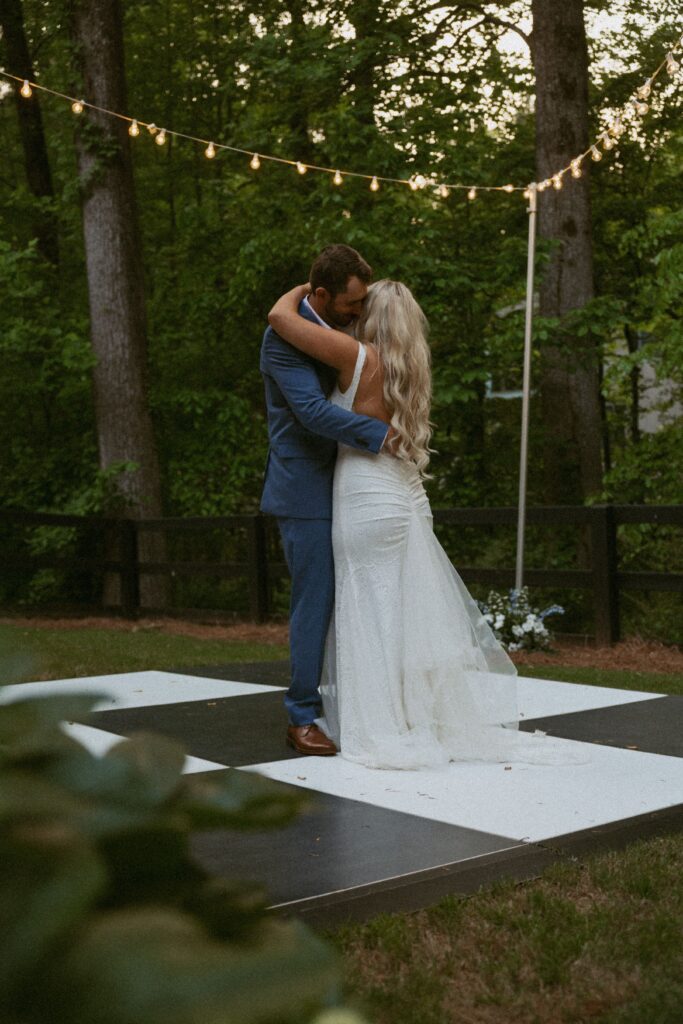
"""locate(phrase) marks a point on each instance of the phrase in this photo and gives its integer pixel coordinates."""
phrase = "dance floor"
(378, 840)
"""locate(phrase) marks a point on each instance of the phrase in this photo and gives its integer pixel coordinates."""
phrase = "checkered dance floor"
(378, 840)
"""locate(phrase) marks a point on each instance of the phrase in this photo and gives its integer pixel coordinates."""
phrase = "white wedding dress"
(413, 675)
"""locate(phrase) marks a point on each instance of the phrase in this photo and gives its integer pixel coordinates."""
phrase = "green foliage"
(370, 87)
(104, 915)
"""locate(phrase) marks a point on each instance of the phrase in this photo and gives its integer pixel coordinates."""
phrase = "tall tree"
(570, 385)
(115, 278)
(18, 62)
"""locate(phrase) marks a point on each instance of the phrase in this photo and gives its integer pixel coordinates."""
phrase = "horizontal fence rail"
(260, 570)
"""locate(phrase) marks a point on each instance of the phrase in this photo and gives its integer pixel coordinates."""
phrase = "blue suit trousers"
(307, 545)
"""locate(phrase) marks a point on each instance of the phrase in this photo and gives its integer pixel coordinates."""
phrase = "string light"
(527, 193)
(637, 105)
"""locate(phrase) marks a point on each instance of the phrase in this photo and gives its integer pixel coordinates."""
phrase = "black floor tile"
(654, 726)
(235, 731)
(342, 851)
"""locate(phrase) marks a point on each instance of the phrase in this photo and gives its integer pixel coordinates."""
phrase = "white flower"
(500, 619)
(517, 631)
(488, 617)
(528, 626)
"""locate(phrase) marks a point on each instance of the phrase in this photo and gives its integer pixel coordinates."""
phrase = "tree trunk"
(18, 62)
(569, 365)
(115, 284)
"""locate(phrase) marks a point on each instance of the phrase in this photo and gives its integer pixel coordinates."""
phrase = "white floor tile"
(136, 689)
(524, 802)
(540, 697)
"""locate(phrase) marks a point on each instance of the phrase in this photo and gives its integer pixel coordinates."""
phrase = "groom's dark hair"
(333, 267)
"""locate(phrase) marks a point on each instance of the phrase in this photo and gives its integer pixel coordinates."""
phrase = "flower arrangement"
(515, 624)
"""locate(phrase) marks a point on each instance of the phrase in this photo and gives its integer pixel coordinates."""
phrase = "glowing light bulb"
(152, 128)
(644, 90)
(161, 137)
(26, 89)
(527, 193)
(595, 153)
(443, 191)
(642, 108)
(77, 106)
(576, 169)
(607, 142)
(413, 184)
(542, 186)
(301, 168)
(672, 64)
(508, 188)
(210, 151)
(420, 180)
(255, 162)
(134, 128)
(557, 181)
(472, 194)
(337, 178)
(374, 184)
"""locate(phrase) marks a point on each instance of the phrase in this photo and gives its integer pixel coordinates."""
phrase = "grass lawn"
(32, 653)
(592, 940)
(652, 682)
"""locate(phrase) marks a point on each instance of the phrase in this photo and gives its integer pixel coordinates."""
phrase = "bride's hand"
(290, 301)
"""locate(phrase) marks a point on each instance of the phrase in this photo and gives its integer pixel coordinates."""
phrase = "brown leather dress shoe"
(309, 739)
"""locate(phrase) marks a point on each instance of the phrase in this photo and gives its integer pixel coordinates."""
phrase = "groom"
(304, 428)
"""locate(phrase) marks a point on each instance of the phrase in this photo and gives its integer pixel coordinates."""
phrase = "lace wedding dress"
(413, 675)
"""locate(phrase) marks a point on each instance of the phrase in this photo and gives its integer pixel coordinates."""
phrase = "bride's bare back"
(370, 394)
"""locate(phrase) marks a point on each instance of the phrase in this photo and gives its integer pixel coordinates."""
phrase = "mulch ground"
(633, 654)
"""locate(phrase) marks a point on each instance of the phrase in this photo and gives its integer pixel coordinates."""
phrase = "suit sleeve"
(299, 383)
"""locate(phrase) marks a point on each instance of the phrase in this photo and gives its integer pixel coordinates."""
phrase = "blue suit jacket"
(304, 428)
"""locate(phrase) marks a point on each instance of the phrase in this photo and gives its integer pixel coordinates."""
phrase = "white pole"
(524, 446)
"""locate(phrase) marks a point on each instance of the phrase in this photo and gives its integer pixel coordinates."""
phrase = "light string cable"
(636, 106)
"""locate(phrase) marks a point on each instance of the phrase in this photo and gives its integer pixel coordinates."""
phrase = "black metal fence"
(260, 563)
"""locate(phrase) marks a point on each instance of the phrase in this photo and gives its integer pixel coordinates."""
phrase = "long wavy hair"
(393, 322)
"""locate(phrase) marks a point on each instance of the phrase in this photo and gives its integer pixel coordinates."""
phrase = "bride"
(413, 675)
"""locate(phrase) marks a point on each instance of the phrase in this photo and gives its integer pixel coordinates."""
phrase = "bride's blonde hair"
(393, 322)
